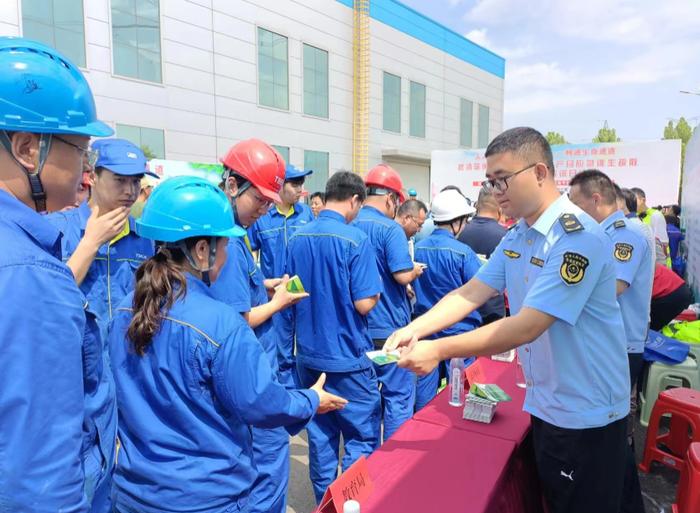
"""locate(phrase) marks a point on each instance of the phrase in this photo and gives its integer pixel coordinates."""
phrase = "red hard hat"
(260, 164)
(386, 177)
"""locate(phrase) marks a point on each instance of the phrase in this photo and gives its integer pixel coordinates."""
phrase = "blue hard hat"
(293, 173)
(42, 91)
(412, 193)
(184, 207)
(121, 157)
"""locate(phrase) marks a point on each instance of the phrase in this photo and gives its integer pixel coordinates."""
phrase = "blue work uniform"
(111, 275)
(240, 285)
(393, 311)
(42, 404)
(109, 278)
(186, 408)
(576, 372)
(634, 266)
(337, 266)
(270, 236)
(451, 264)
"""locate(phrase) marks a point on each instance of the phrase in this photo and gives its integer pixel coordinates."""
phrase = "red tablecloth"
(428, 468)
(438, 461)
(509, 422)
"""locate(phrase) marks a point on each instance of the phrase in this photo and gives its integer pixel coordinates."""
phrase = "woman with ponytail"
(191, 378)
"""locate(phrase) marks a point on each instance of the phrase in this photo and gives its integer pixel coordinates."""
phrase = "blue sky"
(572, 64)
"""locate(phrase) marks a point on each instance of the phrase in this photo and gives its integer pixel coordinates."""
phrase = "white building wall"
(208, 98)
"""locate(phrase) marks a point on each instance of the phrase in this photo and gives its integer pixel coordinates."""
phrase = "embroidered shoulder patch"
(573, 268)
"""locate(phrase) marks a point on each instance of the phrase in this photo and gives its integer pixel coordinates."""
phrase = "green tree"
(556, 138)
(148, 152)
(683, 131)
(606, 135)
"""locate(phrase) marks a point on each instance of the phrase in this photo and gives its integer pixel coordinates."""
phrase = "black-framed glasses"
(91, 155)
(501, 184)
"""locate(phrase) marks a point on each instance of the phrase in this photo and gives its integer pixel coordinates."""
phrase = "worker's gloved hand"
(327, 402)
(103, 228)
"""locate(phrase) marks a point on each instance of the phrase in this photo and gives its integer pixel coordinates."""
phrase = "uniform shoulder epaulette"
(570, 223)
(620, 223)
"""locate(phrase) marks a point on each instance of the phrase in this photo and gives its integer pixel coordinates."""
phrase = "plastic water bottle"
(351, 507)
(456, 382)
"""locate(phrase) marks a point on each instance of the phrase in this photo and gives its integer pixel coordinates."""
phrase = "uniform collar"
(84, 212)
(374, 211)
(34, 225)
(442, 232)
(548, 218)
(610, 220)
(331, 214)
(275, 211)
(196, 284)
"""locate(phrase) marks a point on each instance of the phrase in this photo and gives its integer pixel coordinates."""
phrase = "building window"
(317, 161)
(57, 23)
(284, 151)
(483, 126)
(273, 70)
(392, 103)
(417, 114)
(466, 116)
(136, 39)
(150, 140)
(315, 81)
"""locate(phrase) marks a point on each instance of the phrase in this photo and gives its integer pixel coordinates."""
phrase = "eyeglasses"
(419, 225)
(501, 184)
(91, 155)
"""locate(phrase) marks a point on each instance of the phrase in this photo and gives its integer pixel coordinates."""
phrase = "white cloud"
(480, 37)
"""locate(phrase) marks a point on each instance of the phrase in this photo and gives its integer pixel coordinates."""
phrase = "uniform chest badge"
(623, 251)
(573, 268)
(511, 254)
(537, 261)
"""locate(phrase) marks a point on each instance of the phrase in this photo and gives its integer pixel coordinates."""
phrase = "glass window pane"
(273, 70)
(125, 60)
(154, 140)
(465, 123)
(392, 103)
(317, 161)
(136, 37)
(417, 114)
(149, 66)
(57, 23)
(284, 151)
(131, 133)
(315, 81)
(483, 126)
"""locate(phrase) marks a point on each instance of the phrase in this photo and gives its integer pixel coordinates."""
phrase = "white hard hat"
(450, 204)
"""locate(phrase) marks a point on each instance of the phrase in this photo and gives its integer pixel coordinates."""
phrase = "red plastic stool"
(683, 404)
(688, 495)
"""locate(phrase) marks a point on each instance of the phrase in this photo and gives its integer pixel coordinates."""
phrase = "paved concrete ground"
(658, 487)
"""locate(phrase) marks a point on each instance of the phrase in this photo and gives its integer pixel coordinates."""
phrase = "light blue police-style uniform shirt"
(187, 406)
(270, 235)
(451, 264)
(337, 266)
(576, 372)
(634, 266)
(42, 403)
(388, 239)
(111, 275)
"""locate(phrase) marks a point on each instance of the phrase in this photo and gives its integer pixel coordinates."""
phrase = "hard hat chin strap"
(182, 246)
(37, 188)
(227, 188)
